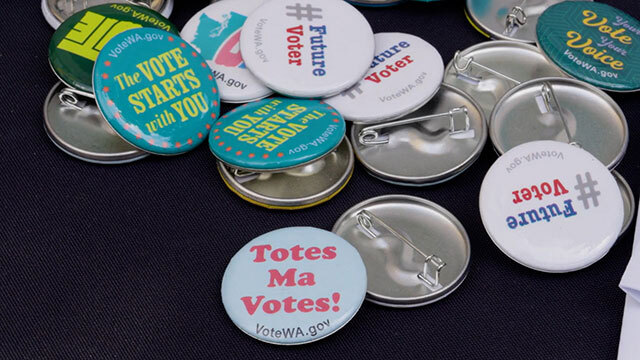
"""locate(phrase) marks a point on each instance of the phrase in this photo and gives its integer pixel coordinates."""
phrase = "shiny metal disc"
(295, 188)
(425, 152)
(628, 200)
(57, 11)
(517, 61)
(395, 235)
(593, 119)
(514, 20)
(85, 134)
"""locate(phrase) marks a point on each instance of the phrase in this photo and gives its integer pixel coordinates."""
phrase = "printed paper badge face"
(215, 33)
(308, 48)
(156, 91)
(593, 42)
(294, 285)
(404, 74)
(76, 44)
(551, 206)
(276, 133)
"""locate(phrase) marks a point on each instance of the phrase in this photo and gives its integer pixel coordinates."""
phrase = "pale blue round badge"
(276, 134)
(294, 285)
(156, 91)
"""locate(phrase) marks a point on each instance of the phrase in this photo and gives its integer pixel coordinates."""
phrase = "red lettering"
(260, 249)
(288, 305)
(296, 30)
(296, 250)
(272, 306)
(251, 307)
(516, 197)
(313, 253)
(526, 194)
(322, 305)
(559, 188)
(537, 192)
(305, 305)
(279, 255)
(329, 253)
(276, 279)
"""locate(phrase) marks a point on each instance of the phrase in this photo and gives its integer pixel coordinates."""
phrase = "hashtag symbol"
(350, 92)
(304, 12)
(587, 190)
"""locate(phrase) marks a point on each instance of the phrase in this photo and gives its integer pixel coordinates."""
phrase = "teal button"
(593, 42)
(276, 133)
(156, 91)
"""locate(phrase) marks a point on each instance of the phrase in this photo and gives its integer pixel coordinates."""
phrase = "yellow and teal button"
(156, 91)
(593, 42)
(276, 133)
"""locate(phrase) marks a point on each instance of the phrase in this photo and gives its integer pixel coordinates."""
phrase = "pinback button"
(593, 42)
(428, 146)
(283, 153)
(415, 251)
(294, 285)
(486, 71)
(507, 19)
(551, 206)
(215, 32)
(404, 74)
(74, 47)
(156, 91)
(276, 134)
(564, 110)
(311, 48)
(82, 132)
(56, 11)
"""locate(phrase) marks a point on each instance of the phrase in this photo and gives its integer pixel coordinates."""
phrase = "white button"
(405, 73)
(215, 32)
(551, 206)
(307, 48)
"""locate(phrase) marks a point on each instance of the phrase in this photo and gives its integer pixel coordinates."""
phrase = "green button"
(76, 44)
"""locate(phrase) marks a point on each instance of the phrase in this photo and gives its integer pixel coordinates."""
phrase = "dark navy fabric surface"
(125, 262)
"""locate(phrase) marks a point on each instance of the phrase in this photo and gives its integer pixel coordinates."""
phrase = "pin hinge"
(433, 264)
(370, 135)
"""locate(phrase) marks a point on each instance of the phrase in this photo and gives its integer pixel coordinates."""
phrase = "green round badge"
(592, 42)
(276, 134)
(156, 91)
(76, 44)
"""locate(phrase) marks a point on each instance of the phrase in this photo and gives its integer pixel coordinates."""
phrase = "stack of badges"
(148, 83)
(56, 11)
(396, 136)
(283, 153)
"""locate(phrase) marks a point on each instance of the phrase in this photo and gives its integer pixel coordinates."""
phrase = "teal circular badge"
(593, 42)
(276, 133)
(294, 285)
(156, 91)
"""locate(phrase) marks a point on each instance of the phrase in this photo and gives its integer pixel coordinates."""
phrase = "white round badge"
(294, 285)
(405, 73)
(551, 206)
(215, 32)
(307, 48)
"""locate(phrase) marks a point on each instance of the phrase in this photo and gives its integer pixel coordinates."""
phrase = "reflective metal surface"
(296, 188)
(83, 133)
(516, 61)
(426, 152)
(628, 199)
(57, 11)
(406, 238)
(508, 19)
(583, 115)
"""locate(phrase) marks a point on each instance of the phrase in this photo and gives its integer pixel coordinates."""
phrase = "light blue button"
(294, 285)
(593, 42)
(276, 133)
(156, 91)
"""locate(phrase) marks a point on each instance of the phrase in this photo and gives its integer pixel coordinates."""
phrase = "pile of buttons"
(132, 85)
